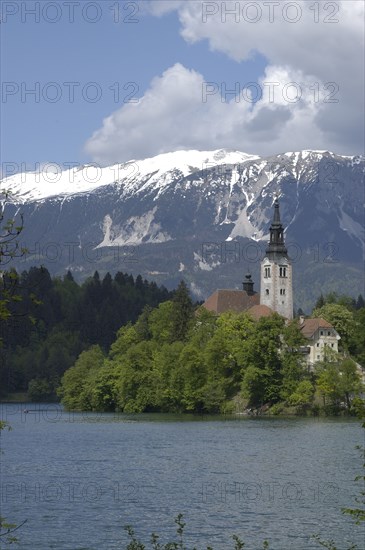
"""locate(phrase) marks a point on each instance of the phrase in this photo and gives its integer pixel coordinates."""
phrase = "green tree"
(74, 390)
(357, 338)
(261, 363)
(320, 302)
(194, 375)
(169, 376)
(161, 323)
(102, 388)
(338, 381)
(303, 395)
(182, 313)
(137, 381)
(350, 383)
(294, 369)
(40, 390)
(127, 336)
(328, 382)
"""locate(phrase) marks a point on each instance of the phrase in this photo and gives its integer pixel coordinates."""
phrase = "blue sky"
(169, 54)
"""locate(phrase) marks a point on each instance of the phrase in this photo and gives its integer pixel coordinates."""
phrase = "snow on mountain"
(158, 171)
(236, 188)
(206, 213)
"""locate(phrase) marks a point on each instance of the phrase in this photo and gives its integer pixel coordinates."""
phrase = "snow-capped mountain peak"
(209, 211)
(52, 180)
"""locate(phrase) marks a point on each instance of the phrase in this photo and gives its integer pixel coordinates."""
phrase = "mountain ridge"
(170, 209)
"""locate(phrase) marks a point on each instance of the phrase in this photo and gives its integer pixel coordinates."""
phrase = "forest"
(47, 322)
(124, 344)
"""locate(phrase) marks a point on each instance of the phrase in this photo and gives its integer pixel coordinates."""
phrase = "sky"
(110, 81)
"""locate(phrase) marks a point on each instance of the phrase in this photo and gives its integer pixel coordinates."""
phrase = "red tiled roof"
(260, 310)
(230, 300)
(310, 326)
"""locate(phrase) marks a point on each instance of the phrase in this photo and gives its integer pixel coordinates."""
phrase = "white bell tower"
(276, 289)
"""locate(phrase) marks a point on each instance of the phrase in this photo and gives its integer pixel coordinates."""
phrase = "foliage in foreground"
(7, 531)
(179, 543)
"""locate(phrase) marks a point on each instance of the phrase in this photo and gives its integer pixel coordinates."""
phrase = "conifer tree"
(182, 313)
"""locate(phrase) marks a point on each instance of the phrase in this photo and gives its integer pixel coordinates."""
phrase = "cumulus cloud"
(310, 95)
(182, 111)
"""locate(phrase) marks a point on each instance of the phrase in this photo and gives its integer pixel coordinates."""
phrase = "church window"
(267, 292)
(267, 273)
(282, 271)
(282, 291)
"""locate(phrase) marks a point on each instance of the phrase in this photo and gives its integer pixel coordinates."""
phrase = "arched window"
(267, 292)
(282, 271)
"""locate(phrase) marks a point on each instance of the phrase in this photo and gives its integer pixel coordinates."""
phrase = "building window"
(329, 333)
(282, 291)
(321, 332)
(317, 345)
(267, 292)
(318, 356)
(282, 271)
(332, 345)
(267, 273)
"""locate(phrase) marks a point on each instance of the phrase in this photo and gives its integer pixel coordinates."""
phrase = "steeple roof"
(276, 246)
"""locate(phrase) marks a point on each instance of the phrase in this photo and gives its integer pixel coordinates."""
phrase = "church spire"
(276, 271)
(276, 220)
(276, 245)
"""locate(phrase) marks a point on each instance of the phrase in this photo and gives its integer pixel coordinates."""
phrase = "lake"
(79, 478)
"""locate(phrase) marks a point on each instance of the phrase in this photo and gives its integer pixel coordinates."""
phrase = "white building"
(321, 337)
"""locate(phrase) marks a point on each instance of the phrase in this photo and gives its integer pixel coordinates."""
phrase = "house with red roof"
(321, 336)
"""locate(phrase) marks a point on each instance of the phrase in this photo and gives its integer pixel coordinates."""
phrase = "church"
(276, 292)
(276, 295)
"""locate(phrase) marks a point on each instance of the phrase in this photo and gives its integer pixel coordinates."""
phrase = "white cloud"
(324, 59)
(172, 115)
(160, 7)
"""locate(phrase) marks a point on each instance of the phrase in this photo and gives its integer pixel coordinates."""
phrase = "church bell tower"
(276, 271)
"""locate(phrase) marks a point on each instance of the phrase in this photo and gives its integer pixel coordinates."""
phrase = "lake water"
(79, 478)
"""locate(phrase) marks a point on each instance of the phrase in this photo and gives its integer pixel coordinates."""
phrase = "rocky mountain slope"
(201, 215)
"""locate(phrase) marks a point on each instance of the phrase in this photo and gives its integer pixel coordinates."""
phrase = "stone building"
(321, 336)
(276, 290)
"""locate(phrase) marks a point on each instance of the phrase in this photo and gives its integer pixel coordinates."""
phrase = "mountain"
(200, 215)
